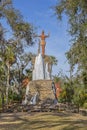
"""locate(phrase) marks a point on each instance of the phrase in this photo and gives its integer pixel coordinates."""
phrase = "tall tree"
(22, 29)
(76, 10)
(22, 33)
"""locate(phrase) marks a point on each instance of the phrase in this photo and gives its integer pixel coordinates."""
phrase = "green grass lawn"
(43, 121)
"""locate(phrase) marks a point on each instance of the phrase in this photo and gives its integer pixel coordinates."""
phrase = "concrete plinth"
(43, 87)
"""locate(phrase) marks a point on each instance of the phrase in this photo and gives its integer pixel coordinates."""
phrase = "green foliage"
(76, 11)
(78, 55)
(29, 74)
(24, 30)
(12, 49)
(85, 105)
(56, 79)
(9, 55)
(67, 93)
(20, 28)
(53, 60)
(14, 96)
(79, 96)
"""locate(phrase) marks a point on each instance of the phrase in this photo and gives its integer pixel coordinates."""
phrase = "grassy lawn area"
(42, 121)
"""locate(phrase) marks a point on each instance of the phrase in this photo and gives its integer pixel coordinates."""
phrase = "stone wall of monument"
(43, 87)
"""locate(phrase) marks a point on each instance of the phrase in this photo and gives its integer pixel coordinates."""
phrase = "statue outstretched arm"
(47, 35)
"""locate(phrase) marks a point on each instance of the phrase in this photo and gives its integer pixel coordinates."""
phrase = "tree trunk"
(7, 84)
(2, 96)
(50, 70)
(78, 107)
(2, 99)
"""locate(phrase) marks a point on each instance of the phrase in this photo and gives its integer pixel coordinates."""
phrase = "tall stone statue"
(42, 42)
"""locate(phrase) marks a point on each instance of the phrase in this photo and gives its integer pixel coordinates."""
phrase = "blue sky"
(40, 14)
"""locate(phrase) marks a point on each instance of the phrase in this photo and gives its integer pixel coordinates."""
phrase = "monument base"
(43, 88)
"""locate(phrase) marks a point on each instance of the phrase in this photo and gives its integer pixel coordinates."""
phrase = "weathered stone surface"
(43, 87)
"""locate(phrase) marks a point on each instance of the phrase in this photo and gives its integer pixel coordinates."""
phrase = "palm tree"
(52, 61)
(9, 59)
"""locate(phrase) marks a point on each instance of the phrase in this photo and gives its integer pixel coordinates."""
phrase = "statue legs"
(43, 50)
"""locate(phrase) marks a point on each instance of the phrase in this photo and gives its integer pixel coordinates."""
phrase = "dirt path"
(42, 121)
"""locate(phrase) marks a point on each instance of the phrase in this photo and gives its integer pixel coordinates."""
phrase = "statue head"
(43, 32)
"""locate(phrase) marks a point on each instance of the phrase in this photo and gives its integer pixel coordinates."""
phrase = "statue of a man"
(42, 42)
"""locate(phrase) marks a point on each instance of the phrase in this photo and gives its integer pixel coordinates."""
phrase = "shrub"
(14, 96)
(85, 105)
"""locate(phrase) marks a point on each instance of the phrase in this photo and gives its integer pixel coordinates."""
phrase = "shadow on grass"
(12, 117)
(41, 121)
(63, 125)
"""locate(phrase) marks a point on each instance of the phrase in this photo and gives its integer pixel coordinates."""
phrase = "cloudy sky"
(40, 13)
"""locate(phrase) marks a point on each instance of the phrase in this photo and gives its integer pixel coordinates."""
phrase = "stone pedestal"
(43, 87)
